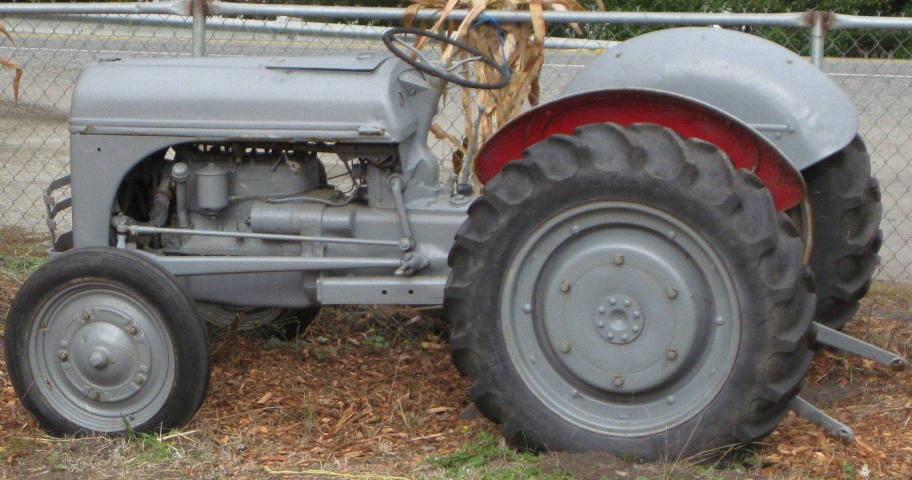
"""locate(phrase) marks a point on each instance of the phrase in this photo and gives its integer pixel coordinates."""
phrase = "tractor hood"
(309, 99)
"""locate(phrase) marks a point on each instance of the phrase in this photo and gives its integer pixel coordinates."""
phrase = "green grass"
(21, 251)
(487, 457)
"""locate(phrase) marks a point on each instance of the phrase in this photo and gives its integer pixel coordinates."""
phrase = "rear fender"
(691, 118)
(778, 93)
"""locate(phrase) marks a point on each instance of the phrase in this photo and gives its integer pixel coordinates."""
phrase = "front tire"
(100, 340)
(623, 289)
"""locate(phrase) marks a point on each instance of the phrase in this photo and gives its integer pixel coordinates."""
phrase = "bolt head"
(62, 356)
(625, 337)
(670, 400)
(671, 354)
(527, 308)
(96, 395)
(132, 330)
(565, 346)
(618, 381)
(671, 292)
(139, 380)
(565, 286)
(602, 309)
(98, 360)
(619, 259)
(600, 324)
(612, 301)
(86, 316)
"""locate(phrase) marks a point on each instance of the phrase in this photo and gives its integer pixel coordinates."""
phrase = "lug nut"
(86, 316)
(618, 381)
(527, 308)
(139, 380)
(96, 395)
(565, 346)
(619, 259)
(565, 286)
(671, 292)
(132, 330)
(602, 309)
(600, 324)
(62, 356)
(671, 354)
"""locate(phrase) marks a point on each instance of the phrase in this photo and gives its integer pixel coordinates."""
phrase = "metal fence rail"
(866, 56)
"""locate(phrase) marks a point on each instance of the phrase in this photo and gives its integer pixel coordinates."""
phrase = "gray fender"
(776, 92)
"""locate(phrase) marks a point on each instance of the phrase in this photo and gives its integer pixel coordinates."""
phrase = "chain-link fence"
(866, 56)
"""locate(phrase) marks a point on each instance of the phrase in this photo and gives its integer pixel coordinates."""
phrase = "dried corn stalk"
(521, 44)
(9, 63)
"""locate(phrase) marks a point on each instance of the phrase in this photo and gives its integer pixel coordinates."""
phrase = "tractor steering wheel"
(412, 56)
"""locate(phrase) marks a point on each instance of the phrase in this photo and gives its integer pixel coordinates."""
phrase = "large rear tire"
(100, 340)
(623, 289)
(846, 211)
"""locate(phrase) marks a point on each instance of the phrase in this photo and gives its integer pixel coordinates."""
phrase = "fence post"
(199, 27)
(818, 30)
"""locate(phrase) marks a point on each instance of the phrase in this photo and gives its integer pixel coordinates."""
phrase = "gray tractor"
(635, 276)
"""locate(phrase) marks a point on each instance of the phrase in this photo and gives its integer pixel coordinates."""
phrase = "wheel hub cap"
(104, 358)
(619, 319)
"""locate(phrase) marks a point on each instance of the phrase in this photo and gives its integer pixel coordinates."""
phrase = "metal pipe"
(199, 28)
(818, 31)
(551, 16)
(178, 7)
(143, 230)
(217, 265)
(839, 21)
(330, 30)
(180, 172)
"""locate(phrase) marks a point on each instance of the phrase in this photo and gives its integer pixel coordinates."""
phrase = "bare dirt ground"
(371, 393)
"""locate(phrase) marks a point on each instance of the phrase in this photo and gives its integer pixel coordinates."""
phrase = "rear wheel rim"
(620, 318)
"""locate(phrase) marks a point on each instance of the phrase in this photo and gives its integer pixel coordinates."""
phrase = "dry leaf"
(5, 32)
(272, 458)
(10, 63)
(510, 43)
